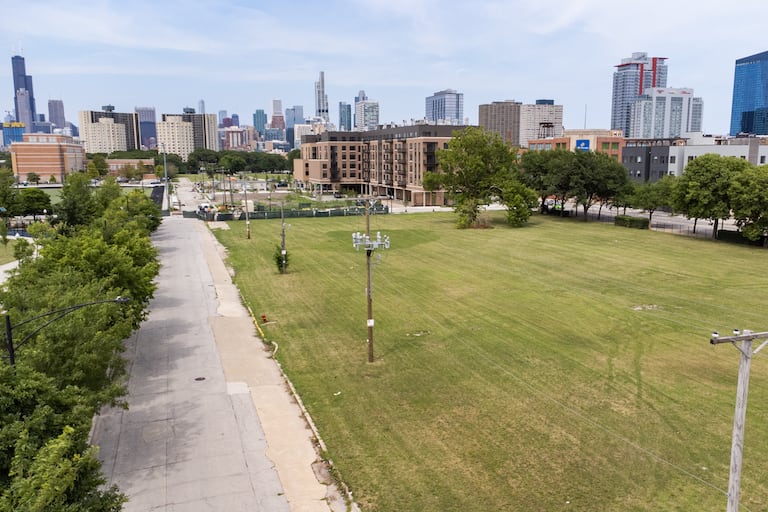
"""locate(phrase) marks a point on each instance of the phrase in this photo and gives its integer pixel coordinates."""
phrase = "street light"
(62, 312)
(165, 175)
(369, 244)
(739, 417)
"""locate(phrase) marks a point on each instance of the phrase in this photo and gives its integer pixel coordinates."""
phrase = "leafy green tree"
(652, 196)
(470, 170)
(749, 200)
(518, 199)
(76, 206)
(561, 178)
(203, 158)
(60, 476)
(233, 164)
(535, 169)
(596, 177)
(33, 177)
(105, 194)
(8, 192)
(33, 201)
(99, 162)
(702, 192)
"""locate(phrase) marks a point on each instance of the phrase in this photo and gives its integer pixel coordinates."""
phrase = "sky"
(239, 55)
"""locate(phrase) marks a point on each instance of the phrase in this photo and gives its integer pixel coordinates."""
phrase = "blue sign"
(582, 144)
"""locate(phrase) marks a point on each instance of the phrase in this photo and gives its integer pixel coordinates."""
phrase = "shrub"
(631, 222)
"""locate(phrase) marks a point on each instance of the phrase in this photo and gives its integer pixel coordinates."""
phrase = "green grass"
(561, 366)
(6, 252)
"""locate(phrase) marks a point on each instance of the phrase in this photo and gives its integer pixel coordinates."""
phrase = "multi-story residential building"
(147, 127)
(445, 106)
(300, 130)
(390, 162)
(345, 116)
(321, 99)
(749, 109)
(260, 121)
(51, 156)
(236, 139)
(23, 93)
(293, 115)
(366, 115)
(666, 113)
(182, 134)
(56, 114)
(630, 81)
(517, 123)
(92, 129)
(610, 142)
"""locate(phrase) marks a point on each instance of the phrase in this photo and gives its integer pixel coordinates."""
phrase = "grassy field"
(561, 366)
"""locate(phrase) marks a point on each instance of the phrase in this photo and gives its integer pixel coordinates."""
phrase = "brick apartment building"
(389, 161)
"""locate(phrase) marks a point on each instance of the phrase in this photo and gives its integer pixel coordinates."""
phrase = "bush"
(631, 222)
(279, 259)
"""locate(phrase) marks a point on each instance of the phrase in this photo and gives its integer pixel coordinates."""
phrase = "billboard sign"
(582, 144)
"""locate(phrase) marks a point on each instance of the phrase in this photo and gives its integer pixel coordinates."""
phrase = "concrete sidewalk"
(211, 424)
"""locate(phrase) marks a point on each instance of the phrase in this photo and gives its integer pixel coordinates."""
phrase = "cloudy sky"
(239, 55)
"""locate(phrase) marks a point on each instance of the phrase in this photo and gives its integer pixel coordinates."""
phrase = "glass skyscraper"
(749, 110)
(632, 78)
(445, 106)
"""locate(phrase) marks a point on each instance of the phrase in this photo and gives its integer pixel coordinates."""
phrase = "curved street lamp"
(62, 312)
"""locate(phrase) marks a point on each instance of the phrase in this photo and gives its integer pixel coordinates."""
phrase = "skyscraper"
(517, 123)
(56, 113)
(201, 106)
(366, 115)
(293, 115)
(749, 108)
(321, 99)
(360, 97)
(278, 120)
(24, 101)
(445, 106)
(665, 113)
(345, 116)
(260, 121)
(630, 81)
(108, 131)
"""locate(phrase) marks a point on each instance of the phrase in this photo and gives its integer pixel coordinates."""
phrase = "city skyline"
(238, 58)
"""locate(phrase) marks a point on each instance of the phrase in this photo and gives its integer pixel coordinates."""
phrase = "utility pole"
(247, 216)
(370, 245)
(743, 343)
(283, 252)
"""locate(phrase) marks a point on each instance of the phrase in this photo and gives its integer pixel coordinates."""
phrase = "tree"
(233, 164)
(560, 177)
(33, 177)
(99, 162)
(471, 167)
(76, 206)
(749, 200)
(534, 165)
(33, 201)
(203, 158)
(518, 199)
(652, 196)
(702, 192)
(596, 176)
(8, 192)
(105, 194)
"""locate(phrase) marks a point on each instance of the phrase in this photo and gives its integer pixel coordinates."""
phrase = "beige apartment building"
(387, 162)
(51, 157)
(610, 142)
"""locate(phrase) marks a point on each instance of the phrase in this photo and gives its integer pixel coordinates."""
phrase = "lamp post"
(247, 216)
(739, 417)
(165, 176)
(62, 312)
(369, 244)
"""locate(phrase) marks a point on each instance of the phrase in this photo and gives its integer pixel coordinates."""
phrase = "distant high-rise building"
(321, 99)
(345, 116)
(664, 113)
(366, 115)
(749, 108)
(235, 120)
(222, 115)
(182, 134)
(517, 123)
(24, 102)
(56, 113)
(201, 106)
(278, 120)
(631, 79)
(107, 131)
(147, 127)
(445, 107)
(361, 96)
(260, 121)
(293, 115)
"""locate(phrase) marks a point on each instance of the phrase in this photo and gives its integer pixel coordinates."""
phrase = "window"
(672, 159)
(690, 158)
(615, 146)
(762, 159)
(604, 146)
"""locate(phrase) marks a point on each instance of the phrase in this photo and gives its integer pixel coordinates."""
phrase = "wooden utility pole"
(743, 343)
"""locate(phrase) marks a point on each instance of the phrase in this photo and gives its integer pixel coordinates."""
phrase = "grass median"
(560, 366)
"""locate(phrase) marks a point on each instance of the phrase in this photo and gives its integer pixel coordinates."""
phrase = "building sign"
(582, 144)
